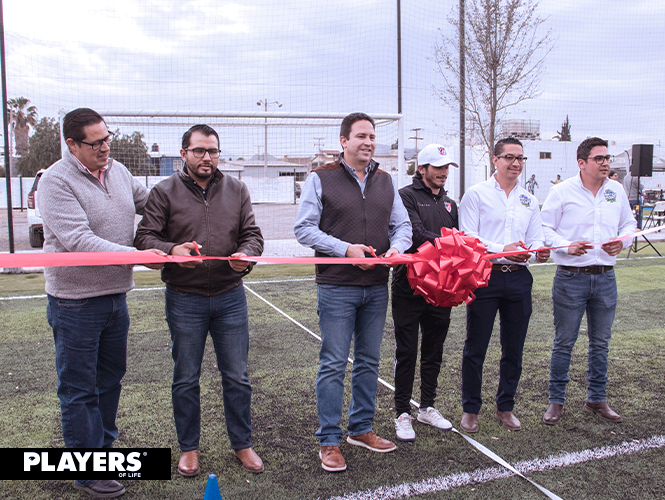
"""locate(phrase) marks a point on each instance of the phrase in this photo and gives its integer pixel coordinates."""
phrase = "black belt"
(507, 268)
(587, 269)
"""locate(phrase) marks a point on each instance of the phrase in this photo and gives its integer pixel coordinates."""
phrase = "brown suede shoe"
(553, 414)
(508, 420)
(251, 462)
(469, 422)
(332, 459)
(603, 411)
(188, 465)
(372, 442)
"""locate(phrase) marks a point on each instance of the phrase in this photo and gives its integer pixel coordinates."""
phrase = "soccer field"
(581, 458)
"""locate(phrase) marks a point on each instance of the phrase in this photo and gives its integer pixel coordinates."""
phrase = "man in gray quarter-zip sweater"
(87, 202)
(202, 205)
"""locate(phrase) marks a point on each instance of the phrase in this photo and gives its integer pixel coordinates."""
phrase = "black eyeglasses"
(98, 144)
(601, 159)
(512, 158)
(201, 152)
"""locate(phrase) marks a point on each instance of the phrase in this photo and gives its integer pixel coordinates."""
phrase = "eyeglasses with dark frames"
(201, 152)
(512, 158)
(96, 146)
(601, 159)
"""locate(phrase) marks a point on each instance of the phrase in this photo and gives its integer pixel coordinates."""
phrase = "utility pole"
(416, 138)
(462, 101)
(264, 102)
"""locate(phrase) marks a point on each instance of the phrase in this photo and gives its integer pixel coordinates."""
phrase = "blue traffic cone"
(212, 489)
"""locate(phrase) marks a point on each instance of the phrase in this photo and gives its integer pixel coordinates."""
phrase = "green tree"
(132, 152)
(504, 52)
(43, 149)
(563, 135)
(21, 118)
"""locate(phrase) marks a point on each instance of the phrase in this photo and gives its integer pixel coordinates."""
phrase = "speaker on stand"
(641, 166)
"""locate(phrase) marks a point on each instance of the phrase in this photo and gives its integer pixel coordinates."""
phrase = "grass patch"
(282, 366)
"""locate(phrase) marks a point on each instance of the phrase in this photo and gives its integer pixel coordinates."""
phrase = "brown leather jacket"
(223, 223)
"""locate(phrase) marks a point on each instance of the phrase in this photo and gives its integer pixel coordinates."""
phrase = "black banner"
(86, 463)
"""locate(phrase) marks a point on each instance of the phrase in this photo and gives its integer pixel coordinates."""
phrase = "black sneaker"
(102, 489)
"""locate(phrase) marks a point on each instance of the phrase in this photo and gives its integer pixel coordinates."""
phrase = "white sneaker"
(431, 416)
(404, 429)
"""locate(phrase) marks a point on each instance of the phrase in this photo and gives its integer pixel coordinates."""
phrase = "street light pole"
(265, 102)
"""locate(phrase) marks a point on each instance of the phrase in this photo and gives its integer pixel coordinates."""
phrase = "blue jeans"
(572, 294)
(90, 358)
(348, 313)
(190, 318)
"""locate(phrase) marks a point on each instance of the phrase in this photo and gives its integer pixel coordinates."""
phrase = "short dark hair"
(498, 147)
(75, 121)
(349, 120)
(200, 128)
(585, 147)
(612, 172)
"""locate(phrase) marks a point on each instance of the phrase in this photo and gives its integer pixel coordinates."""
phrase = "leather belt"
(587, 269)
(507, 268)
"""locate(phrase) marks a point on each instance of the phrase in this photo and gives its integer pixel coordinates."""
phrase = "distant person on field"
(583, 209)
(614, 175)
(633, 188)
(506, 218)
(88, 202)
(558, 179)
(429, 210)
(531, 184)
(202, 205)
(351, 208)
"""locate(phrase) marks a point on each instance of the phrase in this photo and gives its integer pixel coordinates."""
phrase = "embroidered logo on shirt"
(525, 200)
(448, 206)
(610, 196)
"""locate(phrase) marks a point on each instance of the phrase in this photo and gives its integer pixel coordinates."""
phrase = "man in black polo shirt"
(429, 210)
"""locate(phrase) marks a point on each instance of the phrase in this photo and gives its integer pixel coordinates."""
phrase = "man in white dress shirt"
(504, 217)
(584, 209)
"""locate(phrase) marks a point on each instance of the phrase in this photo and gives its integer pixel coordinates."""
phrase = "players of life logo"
(610, 196)
(525, 200)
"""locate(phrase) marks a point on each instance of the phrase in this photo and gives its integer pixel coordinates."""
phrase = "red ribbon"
(447, 273)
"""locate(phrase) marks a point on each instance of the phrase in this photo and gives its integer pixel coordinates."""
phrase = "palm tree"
(21, 117)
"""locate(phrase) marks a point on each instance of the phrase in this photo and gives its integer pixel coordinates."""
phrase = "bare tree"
(504, 55)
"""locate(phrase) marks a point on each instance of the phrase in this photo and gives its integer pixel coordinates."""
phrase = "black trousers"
(409, 313)
(510, 295)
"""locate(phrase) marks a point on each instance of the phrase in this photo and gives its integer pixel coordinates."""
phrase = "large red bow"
(452, 269)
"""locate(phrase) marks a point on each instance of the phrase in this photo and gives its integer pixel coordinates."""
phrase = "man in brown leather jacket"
(201, 209)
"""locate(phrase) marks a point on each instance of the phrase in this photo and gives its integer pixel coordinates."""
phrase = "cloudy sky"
(606, 71)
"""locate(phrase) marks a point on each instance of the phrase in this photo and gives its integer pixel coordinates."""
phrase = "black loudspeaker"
(642, 160)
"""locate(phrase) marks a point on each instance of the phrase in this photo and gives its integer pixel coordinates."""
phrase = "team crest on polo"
(525, 200)
(448, 206)
(610, 196)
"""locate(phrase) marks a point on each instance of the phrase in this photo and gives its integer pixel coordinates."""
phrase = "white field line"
(446, 483)
(24, 297)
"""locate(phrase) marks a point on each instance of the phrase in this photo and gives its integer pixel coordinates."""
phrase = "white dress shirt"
(497, 220)
(572, 213)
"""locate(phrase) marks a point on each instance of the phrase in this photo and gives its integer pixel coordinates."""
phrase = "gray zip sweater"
(81, 215)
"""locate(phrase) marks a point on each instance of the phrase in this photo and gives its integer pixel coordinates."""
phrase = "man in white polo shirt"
(505, 217)
(588, 208)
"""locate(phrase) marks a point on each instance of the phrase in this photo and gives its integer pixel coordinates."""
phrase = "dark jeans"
(408, 314)
(90, 358)
(190, 318)
(510, 295)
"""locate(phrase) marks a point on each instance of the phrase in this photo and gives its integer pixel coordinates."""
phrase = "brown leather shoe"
(603, 410)
(332, 459)
(508, 420)
(372, 442)
(469, 422)
(251, 462)
(553, 414)
(188, 465)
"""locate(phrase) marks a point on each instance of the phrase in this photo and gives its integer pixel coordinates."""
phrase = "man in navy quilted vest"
(351, 208)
